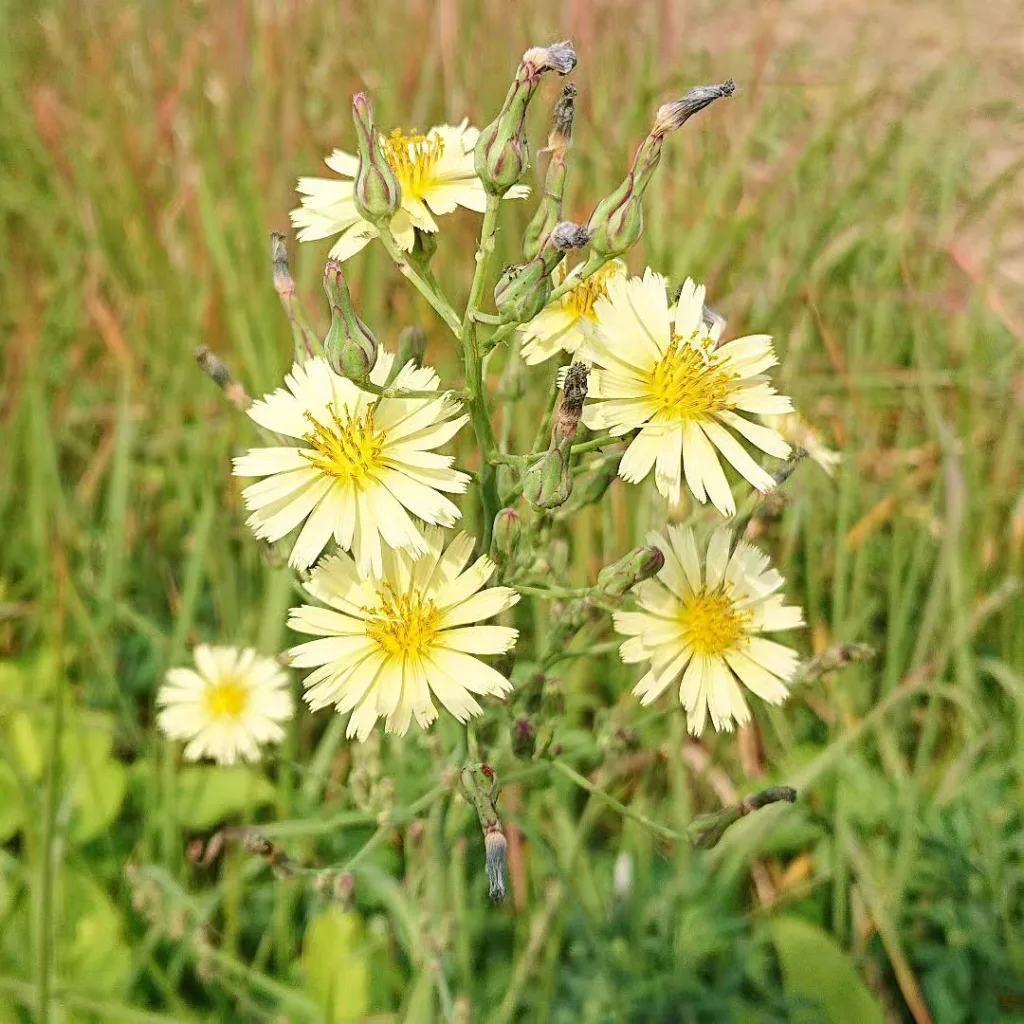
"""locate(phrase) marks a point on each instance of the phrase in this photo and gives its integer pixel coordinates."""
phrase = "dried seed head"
(496, 849)
(560, 57)
(672, 116)
(563, 117)
(568, 235)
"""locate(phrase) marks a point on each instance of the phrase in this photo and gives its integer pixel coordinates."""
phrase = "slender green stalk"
(45, 909)
(476, 392)
(428, 289)
(390, 392)
(641, 819)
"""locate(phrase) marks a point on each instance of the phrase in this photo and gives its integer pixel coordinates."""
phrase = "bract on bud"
(548, 482)
(502, 153)
(640, 564)
(549, 209)
(618, 220)
(350, 346)
(505, 536)
(377, 192)
(523, 291)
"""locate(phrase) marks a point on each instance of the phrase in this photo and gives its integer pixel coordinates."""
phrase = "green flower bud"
(639, 564)
(548, 482)
(377, 192)
(424, 246)
(523, 736)
(350, 346)
(706, 830)
(505, 536)
(618, 220)
(412, 344)
(523, 291)
(502, 153)
(549, 210)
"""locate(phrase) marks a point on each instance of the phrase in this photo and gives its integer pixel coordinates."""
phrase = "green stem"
(389, 392)
(641, 819)
(45, 909)
(430, 290)
(476, 393)
(594, 443)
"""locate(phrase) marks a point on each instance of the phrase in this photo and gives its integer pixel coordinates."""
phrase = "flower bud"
(508, 529)
(548, 482)
(549, 210)
(639, 564)
(377, 192)
(523, 291)
(350, 346)
(412, 345)
(523, 737)
(424, 246)
(618, 220)
(502, 153)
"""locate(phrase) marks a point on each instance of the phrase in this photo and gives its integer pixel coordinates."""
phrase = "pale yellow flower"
(436, 174)
(232, 701)
(702, 626)
(564, 324)
(661, 370)
(800, 434)
(364, 463)
(390, 643)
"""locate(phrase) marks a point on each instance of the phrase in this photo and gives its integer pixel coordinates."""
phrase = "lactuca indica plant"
(407, 619)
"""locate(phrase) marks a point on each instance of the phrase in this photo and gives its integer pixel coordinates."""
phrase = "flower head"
(563, 325)
(230, 703)
(701, 624)
(435, 173)
(364, 463)
(391, 643)
(661, 370)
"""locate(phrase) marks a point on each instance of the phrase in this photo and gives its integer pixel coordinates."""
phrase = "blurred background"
(859, 199)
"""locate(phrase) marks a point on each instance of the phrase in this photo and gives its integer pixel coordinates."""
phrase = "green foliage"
(145, 159)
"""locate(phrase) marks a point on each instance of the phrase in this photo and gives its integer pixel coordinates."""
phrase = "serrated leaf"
(335, 967)
(815, 968)
(208, 795)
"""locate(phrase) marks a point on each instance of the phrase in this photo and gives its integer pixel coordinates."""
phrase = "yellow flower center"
(413, 158)
(347, 449)
(402, 624)
(228, 698)
(580, 301)
(687, 384)
(711, 622)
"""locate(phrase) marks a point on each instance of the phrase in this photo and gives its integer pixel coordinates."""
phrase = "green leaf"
(817, 969)
(335, 965)
(12, 814)
(97, 780)
(207, 795)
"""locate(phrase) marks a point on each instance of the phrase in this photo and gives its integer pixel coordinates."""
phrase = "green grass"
(146, 154)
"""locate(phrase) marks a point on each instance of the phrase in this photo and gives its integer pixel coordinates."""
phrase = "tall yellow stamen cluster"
(403, 624)
(413, 158)
(349, 449)
(688, 385)
(711, 622)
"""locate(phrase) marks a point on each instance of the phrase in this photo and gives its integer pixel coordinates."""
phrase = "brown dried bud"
(672, 116)
(570, 408)
(567, 236)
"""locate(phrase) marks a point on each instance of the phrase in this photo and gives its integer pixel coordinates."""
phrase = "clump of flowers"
(355, 482)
